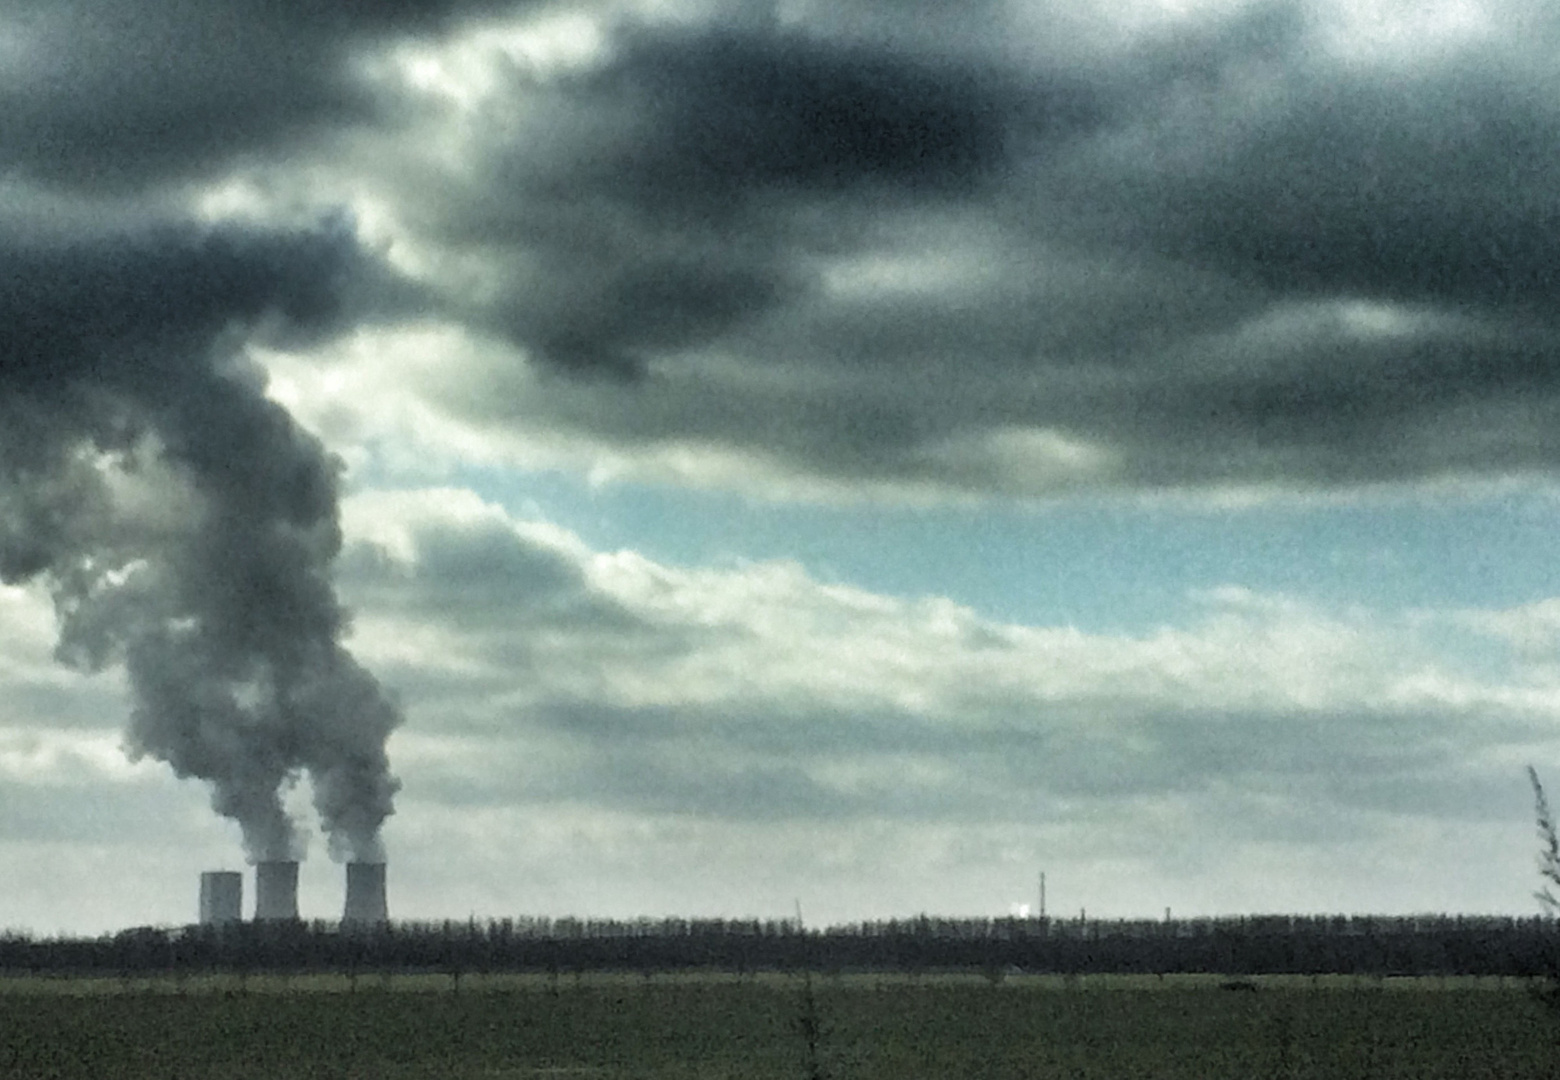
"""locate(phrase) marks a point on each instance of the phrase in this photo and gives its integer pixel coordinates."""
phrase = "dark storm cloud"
(115, 95)
(1431, 187)
(1035, 254)
(1476, 397)
(121, 364)
(1115, 227)
(676, 191)
(731, 116)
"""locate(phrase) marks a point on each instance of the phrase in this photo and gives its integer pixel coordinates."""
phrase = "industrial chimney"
(221, 897)
(365, 895)
(276, 891)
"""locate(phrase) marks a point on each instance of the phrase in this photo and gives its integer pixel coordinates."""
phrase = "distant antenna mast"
(1042, 894)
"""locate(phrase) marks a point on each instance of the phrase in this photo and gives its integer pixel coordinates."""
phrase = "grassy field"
(714, 1028)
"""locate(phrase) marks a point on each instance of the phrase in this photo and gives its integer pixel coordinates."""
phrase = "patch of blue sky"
(1101, 564)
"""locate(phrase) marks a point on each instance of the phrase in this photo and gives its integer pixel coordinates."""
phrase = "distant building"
(276, 891)
(366, 905)
(221, 897)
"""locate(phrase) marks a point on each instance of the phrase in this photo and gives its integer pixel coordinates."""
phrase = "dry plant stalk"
(1549, 855)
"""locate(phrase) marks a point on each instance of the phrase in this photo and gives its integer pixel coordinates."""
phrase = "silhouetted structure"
(221, 897)
(366, 904)
(276, 891)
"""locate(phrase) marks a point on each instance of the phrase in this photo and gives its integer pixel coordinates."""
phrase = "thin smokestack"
(366, 905)
(276, 891)
(221, 897)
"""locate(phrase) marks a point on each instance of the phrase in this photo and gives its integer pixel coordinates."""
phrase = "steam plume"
(185, 524)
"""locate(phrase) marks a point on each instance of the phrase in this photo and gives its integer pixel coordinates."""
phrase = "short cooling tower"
(365, 894)
(276, 891)
(221, 897)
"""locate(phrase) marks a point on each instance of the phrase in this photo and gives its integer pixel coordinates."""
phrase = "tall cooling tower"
(221, 897)
(276, 891)
(365, 894)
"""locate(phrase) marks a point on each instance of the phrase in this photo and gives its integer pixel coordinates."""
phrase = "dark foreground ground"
(855, 1028)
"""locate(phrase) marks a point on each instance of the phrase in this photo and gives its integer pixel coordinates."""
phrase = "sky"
(696, 457)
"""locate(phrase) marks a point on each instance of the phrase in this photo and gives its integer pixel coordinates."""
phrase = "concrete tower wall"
(276, 891)
(366, 902)
(221, 897)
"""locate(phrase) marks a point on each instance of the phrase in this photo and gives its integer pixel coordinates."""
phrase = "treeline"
(1376, 945)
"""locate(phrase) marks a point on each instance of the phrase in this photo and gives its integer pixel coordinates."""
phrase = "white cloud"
(758, 693)
(1532, 628)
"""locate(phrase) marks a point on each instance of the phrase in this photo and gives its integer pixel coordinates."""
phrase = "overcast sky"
(862, 452)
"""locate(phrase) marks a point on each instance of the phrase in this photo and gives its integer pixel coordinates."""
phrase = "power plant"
(221, 897)
(276, 894)
(276, 891)
(366, 905)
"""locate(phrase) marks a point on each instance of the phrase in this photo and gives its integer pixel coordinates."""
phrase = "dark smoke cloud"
(122, 371)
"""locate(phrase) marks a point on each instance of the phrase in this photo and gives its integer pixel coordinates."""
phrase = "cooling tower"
(221, 897)
(365, 894)
(276, 891)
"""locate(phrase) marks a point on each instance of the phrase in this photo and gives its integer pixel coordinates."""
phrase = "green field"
(872, 1028)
